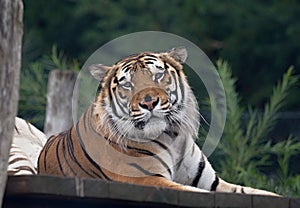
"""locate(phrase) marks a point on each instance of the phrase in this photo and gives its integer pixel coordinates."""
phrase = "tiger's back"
(63, 155)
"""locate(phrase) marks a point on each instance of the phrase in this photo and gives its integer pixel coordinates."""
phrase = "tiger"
(141, 129)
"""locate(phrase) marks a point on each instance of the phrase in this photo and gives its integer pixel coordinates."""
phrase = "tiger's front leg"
(195, 170)
(162, 182)
(228, 187)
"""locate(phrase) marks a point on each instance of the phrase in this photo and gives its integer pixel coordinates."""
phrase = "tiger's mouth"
(148, 110)
(153, 120)
(152, 124)
(150, 129)
(140, 125)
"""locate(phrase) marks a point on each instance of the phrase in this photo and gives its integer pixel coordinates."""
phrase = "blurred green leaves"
(33, 89)
(245, 154)
(33, 84)
(259, 38)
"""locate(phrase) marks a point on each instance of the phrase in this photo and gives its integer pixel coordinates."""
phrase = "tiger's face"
(144, 95)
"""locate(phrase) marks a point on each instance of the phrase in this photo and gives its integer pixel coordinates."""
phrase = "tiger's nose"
(149, 102)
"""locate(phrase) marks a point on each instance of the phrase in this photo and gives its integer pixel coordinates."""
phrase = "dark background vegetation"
(259, 39)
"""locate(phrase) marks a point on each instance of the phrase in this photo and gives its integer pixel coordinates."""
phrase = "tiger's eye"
(127, 85)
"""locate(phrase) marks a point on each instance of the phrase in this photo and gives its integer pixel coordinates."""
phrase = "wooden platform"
(45, 191)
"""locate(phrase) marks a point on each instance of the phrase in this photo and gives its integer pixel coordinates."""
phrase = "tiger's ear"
(98, 71)
(179, 54)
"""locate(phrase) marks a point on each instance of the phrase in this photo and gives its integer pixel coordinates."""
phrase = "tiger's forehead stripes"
(151, 62)
(124, 74)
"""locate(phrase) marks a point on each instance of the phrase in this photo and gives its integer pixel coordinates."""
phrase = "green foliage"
(287, 184)
(254, 36)
(61, 61)
(33, 85)
(245, 153)
(33, 89)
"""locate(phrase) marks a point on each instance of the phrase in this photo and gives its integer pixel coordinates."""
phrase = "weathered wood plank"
(75, 192)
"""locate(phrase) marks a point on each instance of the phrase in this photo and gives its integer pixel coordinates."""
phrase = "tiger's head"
(146, 95)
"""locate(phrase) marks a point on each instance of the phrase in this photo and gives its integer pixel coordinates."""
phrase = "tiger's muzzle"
(151, 103)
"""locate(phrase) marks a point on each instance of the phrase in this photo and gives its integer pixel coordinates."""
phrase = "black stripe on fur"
(215, 184)
(200, 170)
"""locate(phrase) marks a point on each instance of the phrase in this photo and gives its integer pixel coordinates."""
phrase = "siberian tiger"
(141, 129)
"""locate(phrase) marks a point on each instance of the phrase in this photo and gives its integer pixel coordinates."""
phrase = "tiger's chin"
(150, 130)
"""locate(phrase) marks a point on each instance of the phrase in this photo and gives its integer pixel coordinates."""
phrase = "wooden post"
(59, 101)
(11, 32)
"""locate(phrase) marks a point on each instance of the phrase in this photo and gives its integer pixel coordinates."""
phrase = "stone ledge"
(35, 191)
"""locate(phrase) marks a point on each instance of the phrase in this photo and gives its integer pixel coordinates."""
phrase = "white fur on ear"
(98, 71)
(179, 54)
